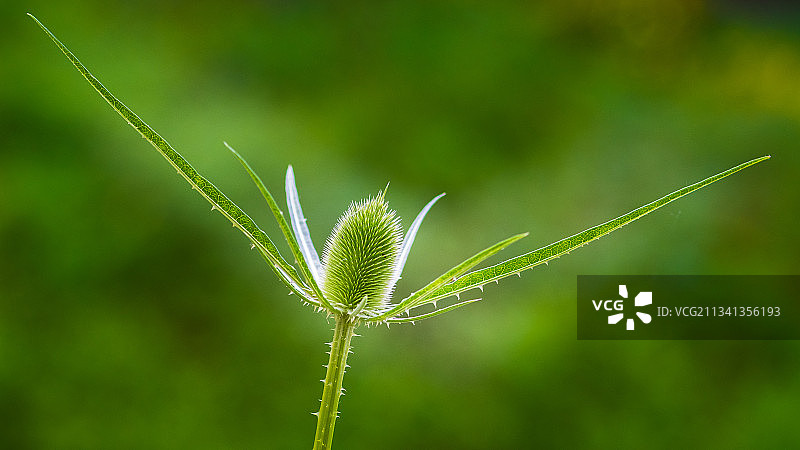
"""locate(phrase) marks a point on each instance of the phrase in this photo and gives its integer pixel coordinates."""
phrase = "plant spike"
(361, 254)
(556, 249)
(210, 192)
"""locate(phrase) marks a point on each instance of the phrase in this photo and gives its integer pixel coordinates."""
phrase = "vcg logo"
(617, 306)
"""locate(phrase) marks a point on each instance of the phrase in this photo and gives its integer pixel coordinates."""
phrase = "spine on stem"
(329, 405)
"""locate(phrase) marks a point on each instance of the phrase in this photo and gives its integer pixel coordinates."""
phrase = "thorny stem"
(329, 406)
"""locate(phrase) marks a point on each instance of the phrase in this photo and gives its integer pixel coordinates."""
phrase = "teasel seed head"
(360, 256)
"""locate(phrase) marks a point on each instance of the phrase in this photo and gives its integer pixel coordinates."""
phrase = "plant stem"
(329, 406)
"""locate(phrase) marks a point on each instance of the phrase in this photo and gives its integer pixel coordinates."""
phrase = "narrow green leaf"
(217, 199)
(284, 226)
(528, 260)
(432, 313)
(419, 298)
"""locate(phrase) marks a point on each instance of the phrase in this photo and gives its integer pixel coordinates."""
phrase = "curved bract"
(300, 227)
(408, 240)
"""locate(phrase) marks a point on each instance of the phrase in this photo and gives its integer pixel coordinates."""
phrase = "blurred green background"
(132, 317)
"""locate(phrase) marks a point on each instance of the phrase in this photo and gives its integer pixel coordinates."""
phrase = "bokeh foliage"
(130, 316)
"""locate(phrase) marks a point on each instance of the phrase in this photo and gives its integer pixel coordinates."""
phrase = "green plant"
(365, 254)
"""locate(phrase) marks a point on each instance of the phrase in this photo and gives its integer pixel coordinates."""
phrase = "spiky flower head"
(360, 259)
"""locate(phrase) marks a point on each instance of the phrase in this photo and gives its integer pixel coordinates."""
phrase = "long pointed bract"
(408, 240)
(531, 259)
(432, 313)
(300, 227)
(219, 201)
